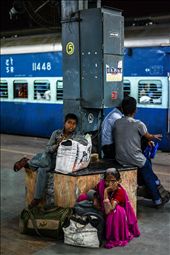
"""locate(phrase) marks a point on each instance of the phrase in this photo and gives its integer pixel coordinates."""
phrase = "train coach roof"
(147, 36)
(28, 44)
(134, 37)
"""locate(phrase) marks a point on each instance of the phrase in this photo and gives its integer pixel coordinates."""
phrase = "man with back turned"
(127, 135)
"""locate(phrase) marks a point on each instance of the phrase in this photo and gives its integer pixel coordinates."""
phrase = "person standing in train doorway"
(44, 162)
(107, 140)
(127, 135)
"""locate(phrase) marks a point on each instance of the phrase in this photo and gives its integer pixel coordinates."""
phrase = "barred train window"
(126, 88)
(59, 90)
(150, 92)
(20, 89)
(42, 90)
(3, 89)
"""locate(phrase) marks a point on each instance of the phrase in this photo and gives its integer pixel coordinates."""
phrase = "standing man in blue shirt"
(107, 141)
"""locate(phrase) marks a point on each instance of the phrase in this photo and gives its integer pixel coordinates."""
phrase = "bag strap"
(32, 218)
(65, 213)
(60, 213)
(98, 216)
(79, 220)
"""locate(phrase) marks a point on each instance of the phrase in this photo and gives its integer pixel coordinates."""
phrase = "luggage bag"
(44, 222)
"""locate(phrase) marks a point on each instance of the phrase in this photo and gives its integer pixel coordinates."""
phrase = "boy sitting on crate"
(45, 162)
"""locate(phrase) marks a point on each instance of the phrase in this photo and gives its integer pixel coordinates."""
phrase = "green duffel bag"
(38, 221)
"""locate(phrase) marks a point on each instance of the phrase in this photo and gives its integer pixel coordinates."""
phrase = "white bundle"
(73, 155)
(81, 235)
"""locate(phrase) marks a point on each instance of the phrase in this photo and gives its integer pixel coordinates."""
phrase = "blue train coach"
(31, 86)
(147, 78)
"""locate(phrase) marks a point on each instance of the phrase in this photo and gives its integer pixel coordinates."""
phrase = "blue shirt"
(107, 126)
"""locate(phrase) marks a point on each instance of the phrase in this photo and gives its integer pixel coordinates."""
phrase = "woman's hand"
(108, 189)
(108, 206)
(106, 192)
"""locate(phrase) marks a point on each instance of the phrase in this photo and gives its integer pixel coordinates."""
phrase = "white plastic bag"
(66, 156)
(81, 235)
(83, 154)
(73, 155)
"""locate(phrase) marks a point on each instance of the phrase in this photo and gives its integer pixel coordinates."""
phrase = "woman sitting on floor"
(121, 222)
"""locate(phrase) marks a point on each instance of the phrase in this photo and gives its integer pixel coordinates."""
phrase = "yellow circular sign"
(70, 48)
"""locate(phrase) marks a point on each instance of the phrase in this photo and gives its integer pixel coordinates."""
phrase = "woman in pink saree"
(121, 222)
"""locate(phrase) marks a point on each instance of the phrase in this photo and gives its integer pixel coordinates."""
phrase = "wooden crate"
(68, 188)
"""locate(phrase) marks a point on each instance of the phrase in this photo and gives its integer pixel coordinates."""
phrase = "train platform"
(154, 223)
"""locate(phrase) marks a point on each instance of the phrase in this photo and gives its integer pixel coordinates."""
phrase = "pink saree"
(121, 224)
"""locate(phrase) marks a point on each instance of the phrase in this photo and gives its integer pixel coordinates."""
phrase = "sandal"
(34, 203)
(20, 164)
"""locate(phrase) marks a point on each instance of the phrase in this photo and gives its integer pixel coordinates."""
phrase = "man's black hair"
(129, 105)
(71, 116)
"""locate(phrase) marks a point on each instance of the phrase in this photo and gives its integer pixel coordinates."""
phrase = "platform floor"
(154, 224)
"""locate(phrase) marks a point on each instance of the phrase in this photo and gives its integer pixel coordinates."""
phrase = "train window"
(59, 90)
(126, 88)
(150, 92)
(20, 89)
(3, 89)
(42, 90)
